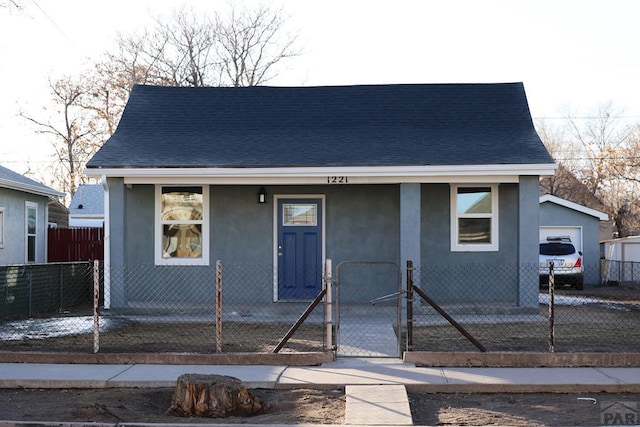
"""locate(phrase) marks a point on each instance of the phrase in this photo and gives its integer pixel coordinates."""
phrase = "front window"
(182, 225)
(474, 218)
(31, 228)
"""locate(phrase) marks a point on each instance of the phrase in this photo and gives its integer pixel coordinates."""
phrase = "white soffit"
(328, 175)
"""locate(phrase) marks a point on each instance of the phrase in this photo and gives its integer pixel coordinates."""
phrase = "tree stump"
(214, 396)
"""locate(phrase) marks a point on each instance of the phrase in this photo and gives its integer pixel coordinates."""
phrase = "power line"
(585, 117)
(56, 25)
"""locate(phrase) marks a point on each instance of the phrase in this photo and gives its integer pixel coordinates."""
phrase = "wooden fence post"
(328, 307)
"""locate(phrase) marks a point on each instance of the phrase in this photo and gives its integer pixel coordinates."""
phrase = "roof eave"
(575, 206)
(283, 175)
(33, 189)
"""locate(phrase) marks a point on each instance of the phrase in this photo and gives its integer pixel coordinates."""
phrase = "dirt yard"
(317, 407)
(583, 327)
(149, 406)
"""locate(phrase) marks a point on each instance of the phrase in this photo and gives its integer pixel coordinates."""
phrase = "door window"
(299, 214)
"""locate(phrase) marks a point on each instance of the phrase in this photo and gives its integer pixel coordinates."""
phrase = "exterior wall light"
(262, 195)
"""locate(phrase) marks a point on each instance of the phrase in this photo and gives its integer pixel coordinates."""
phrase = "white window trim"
(477, 247)
(27, 206)
(1, 227)
(159, 260)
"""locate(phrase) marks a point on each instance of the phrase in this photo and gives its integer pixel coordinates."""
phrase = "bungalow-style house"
(445, 175)
(24, 217)
(87, 206)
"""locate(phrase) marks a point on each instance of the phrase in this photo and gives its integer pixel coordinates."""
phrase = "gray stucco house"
(24, 213)
(445, 175)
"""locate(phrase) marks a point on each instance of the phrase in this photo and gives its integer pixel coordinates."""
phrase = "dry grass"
(583, 328)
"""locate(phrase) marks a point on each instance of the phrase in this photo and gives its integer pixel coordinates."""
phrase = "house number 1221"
(337, 180)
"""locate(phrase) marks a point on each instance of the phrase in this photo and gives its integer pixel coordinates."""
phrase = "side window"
(181, 231)
(474, 218)
(1, 227)
(31, 230)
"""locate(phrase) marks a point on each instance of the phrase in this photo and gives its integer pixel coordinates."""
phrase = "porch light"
(262, 195)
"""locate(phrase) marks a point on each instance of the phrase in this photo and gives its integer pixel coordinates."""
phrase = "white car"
(567, 262)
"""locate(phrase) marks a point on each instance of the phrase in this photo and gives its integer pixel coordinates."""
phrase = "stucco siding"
(362, 223)
(462, 277)
(14, 241)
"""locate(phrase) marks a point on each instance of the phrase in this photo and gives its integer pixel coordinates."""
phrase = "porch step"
(377, 405)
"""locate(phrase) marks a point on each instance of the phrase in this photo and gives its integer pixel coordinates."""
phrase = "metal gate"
(368, 309)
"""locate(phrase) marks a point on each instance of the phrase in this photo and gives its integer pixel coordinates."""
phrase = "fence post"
(328, 320)
(96, 305)
(61, 301)
(30, 291)
(218, 306)
(409, 305)
(552, 286)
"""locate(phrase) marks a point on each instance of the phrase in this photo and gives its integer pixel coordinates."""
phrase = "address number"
(337, 180)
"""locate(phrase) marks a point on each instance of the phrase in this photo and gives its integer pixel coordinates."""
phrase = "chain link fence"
(41, 302)
(160, 309)
(617, 272)
(33, 290)
(230, 309)
(483, 301)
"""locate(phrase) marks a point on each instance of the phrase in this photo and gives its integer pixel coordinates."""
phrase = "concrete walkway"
(376, 389)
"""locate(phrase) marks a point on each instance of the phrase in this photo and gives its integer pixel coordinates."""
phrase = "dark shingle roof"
(369, 125)
(90, 197)
(16, 181)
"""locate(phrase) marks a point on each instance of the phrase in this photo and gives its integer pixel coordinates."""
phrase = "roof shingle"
(365, 125)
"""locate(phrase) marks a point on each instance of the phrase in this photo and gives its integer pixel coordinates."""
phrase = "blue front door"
(299, 248)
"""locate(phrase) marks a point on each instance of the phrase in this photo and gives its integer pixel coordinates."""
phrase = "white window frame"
(475, 247)
(1, 227)
(159, 260)
(27, 207)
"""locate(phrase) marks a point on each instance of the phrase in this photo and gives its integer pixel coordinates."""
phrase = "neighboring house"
(622, 249)
(622, 259)
(24, 215)
(560, 217)
(445, 175)
(58, 214)
(87, 206)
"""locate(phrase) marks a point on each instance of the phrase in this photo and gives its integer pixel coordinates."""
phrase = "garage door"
(574, 233)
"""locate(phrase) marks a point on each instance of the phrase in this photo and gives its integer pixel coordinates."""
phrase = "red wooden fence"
(75, 244)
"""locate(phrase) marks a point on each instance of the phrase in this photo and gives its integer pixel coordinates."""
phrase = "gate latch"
(387, 297)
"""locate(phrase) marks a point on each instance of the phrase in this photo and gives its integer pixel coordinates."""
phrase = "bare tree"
(72, 137)
(240, 48)
(597, 163)
(176, 52)
(12, 4)
(249, 46)
(601, 139)
(187, 49)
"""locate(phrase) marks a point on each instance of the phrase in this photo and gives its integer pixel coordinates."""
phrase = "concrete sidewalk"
(375, 389)
(336, 374)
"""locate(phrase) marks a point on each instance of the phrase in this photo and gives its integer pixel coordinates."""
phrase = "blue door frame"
(299, 248)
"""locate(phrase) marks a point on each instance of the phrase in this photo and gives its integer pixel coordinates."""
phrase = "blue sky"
(572, 55)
